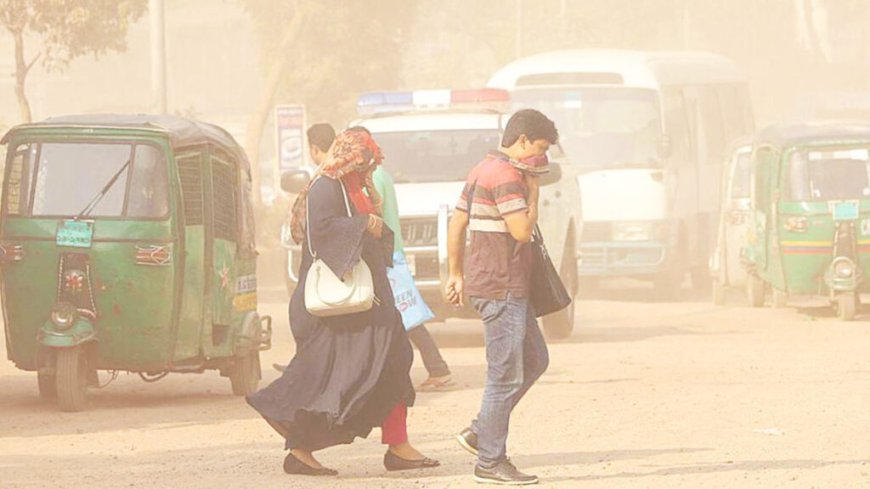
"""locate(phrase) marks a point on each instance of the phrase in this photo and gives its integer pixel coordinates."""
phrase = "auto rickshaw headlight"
(63, 315)
(844, 268)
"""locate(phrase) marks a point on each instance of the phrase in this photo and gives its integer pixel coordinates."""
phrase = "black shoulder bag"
(548, 294)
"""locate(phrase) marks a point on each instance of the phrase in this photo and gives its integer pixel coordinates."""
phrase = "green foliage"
(342, 49)
(71, 28)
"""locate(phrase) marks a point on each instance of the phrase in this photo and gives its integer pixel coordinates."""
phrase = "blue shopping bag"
(409, 302)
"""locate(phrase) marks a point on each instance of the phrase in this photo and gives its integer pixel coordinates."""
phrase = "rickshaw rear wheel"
(47, 386)
(72, 379)
(846, 307)
(245, 374)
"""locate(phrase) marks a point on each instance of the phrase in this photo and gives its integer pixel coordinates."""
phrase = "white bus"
(648, 131)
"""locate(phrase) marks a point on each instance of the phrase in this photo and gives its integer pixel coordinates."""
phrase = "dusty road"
(645, 395)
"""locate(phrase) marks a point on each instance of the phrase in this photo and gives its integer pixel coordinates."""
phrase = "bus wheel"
(846, 307)
(47, 386)
(72, 379)
(755, 291)
(245, 374)
(717, 293)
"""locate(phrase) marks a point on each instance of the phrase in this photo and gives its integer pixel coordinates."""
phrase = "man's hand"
(534, 184)
(454, 290)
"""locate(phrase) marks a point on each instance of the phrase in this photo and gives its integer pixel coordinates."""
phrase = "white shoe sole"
(481, 480)
(465, 446)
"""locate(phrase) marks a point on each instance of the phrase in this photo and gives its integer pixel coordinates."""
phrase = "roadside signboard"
(290, 139)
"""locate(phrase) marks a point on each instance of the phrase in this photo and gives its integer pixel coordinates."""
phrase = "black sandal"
(294, 466)
(393, 462)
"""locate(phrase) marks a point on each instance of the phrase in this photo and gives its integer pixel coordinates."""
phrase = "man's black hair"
(321, 135)
(533, 124)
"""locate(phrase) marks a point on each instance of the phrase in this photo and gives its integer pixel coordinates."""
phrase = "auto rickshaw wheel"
(72, 378)
(47, 386)
(846, 307)
(245, 374)
(755, 291)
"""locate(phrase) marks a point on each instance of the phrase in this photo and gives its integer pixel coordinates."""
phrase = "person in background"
(499, 206)
(320, 138)
(439, 373)
(350, 372)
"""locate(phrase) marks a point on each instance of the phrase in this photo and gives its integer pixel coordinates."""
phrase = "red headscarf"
(352, 158)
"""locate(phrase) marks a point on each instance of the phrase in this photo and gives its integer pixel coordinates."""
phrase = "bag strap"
(308, 206)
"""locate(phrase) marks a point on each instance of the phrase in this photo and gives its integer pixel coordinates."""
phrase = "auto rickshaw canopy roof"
(786, 135)
(181, 131)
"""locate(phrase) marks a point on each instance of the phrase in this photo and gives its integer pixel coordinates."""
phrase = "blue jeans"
(516, 356)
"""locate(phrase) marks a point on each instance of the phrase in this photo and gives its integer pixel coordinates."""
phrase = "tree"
(323, 55)
(65, 29)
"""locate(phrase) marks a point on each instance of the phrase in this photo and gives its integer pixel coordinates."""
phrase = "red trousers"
(394, 430)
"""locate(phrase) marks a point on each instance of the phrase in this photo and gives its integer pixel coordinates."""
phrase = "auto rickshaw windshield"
(72, 178)
(829, 174)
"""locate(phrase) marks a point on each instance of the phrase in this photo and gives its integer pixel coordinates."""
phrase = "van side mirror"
(294, 181)
(553, 176)
(664, 147)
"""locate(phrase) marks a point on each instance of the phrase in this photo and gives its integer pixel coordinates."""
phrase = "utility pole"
(158, 55)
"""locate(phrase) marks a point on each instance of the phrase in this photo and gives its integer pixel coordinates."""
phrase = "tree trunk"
(21, 69)
(257, 120)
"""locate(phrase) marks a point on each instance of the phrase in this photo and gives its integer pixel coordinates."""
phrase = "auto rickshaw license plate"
(77, 234)
(845, 211)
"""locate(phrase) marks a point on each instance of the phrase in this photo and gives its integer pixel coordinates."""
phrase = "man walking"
(499, 207)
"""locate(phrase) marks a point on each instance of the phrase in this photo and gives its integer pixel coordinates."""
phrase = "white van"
(431, 139)
(648, 131)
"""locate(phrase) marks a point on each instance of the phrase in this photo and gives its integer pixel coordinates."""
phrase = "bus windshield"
(830, 174)
(600, 127)
(435, 156)
(99, 179)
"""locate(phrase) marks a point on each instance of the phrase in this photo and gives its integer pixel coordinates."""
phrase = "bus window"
(677, 125)
(712, 126)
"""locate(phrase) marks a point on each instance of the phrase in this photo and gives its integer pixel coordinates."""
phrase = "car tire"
(72, 379)
(561, 324)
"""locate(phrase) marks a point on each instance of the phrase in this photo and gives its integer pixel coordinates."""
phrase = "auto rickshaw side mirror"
(664, 147)
(294, 181)
(553, 176)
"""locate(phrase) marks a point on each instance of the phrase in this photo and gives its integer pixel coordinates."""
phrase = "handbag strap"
(308, 206)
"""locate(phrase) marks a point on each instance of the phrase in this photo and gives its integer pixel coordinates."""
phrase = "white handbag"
(328, 295)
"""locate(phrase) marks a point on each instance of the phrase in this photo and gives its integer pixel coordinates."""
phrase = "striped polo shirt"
(497, 264)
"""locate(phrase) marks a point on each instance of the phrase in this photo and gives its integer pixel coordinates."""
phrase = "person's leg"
(394, 429)
(394, 432)
(504, 329)
(536, 357)
(432, 360)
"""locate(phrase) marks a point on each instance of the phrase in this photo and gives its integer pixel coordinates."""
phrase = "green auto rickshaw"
(811, 212)
(127, 244)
